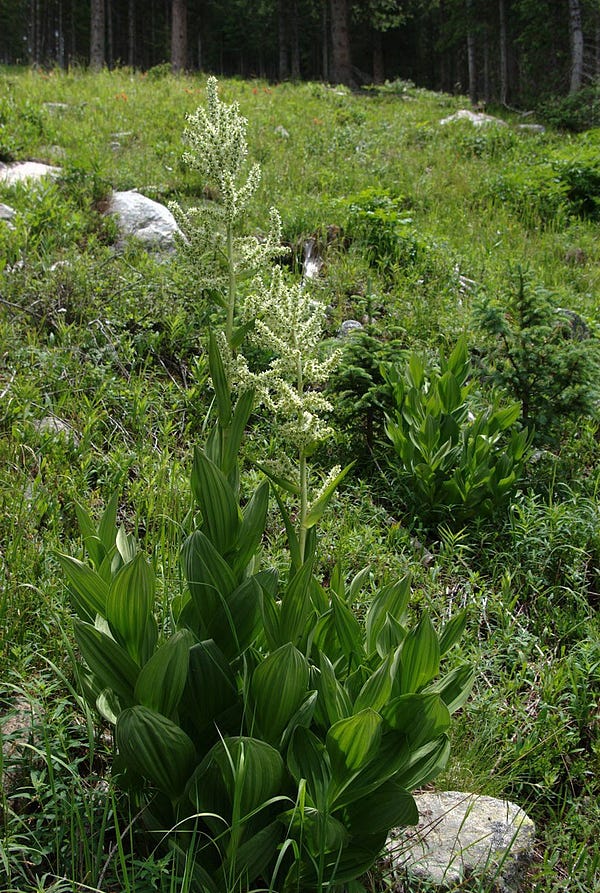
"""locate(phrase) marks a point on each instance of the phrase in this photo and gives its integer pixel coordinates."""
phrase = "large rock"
(19, 171)
(477, 119)
(461, 835)
(144, 218)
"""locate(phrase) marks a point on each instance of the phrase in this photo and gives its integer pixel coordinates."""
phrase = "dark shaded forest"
(509, 51)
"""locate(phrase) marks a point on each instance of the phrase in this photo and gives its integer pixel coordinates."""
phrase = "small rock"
(312, 262)
(20, 171)
(15, 728)
(282, 132)
(460, 835)
(6, 214)
(55, 106)
(53, 425)
(477, 119)
(349, 326)
(531, 128)
(147, 220)
(577, 326)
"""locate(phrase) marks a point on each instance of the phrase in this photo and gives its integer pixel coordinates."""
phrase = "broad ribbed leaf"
(420, 657)
(348, 630)
(236, 619)
(88, 590)
(91, 539)
(217, 502)
(211, 687)
(455, 687)
(110, 664)
(252, 857)
(107, 528)
(161, 681)
(452, 631)
(129, 604)
(296, 605)
(209, 577)
(333, 703)
(319, 832)
(421, 717)
(301, 718)
(377, 689)
(389, 806)
(424, 765)
(308, 758)
(243, 769)
(233, 440)
(393, 600)
(391, 634)
(279, 685)
(449, 392)
(252, 527)
(156, 748)
(353, 742)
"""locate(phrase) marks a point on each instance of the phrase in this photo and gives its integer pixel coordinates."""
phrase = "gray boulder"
(459, 836)
(20, 171)
(147, 220)
(348, 327)
(477, 119)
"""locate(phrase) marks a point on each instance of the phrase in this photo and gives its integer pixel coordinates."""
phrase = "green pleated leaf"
(283, 484)
(454, 688)
(424, 764)
(211, 688)
(319, 832)
(252, 527)
(388, 806)
(333, 704)
(252, 857)
(393, 600)
(219, 380)
(420, 656)
(88, 590)
(376, 691)
(93, 543)
(234, 435)
(162, 679)
(235, 621)
(241, 769)
(316, 511)
(296, 605)
(421, 717)
(393, 756)
(209, 577)
(156, 748)
(353, 742)
(107, 529)
(129, 604)
(308, 759)
(110, 664)
(217, 502)
(348, 630)
(391, 634)
(278, 687)
(452, 631)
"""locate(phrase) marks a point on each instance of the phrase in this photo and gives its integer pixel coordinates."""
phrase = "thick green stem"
(302, 466)
(231, 296)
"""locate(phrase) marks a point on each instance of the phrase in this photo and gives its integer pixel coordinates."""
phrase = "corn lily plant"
(276, 735)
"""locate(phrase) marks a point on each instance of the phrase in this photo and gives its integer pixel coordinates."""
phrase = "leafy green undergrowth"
(104, 386)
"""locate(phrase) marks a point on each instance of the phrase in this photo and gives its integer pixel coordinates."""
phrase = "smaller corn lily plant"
(272, 737)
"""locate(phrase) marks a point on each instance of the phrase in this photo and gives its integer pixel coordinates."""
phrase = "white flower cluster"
(216, 136)
(289, 323)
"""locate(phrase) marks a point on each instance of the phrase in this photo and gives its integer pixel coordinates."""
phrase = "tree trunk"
(324, 41)
(503, 52)
(295, 40)
(341, 62)
(471, 54)
(109, 34)
(284, 66)
(378, 60)
(178, 35)
(131, 33)
(98, 24)
(576, 32)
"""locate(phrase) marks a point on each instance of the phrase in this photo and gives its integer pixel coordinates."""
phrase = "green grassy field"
(423, 230)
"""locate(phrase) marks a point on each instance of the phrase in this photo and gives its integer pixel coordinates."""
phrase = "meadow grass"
(112, 344)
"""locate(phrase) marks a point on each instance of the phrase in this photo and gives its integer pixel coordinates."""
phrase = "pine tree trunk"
(341, 63)
(131, 33)
(284, 67)
(325, 40)
(576, 32)
(97, 36)
(295, 40)
(178, 35)
(471, 54)
(378, 60)
(503, 52)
